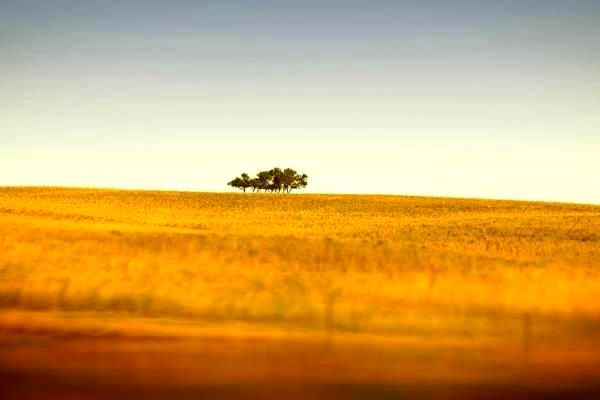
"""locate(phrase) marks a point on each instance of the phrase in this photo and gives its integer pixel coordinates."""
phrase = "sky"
(489, 99)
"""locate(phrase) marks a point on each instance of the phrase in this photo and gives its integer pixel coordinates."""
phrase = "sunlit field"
(108, 293)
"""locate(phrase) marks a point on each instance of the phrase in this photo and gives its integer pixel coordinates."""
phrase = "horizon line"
(181, 190)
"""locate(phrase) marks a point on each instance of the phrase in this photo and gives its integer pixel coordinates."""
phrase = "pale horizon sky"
(487, 99)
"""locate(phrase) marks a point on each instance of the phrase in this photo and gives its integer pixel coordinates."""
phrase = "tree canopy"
(273, 180)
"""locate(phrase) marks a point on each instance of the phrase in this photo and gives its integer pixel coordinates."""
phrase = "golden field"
(330, 289)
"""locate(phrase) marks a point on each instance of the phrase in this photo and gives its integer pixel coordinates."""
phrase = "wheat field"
(321, 295)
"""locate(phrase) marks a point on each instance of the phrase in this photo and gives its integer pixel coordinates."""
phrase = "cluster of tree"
(274, 180)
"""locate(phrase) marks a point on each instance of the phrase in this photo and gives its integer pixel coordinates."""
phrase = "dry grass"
(465, 271)
(369, 261)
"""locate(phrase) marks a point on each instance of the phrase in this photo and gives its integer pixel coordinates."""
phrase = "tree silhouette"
(300, 182)
(273, 180)
(288, 179)
(236, 183)
(242, 182)
(245, 181)
(263, 180)
(276, 175)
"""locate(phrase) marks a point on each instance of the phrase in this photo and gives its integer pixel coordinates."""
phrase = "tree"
(276, 177)
(242, 182)
(288, 179)
(273, 180)
(300, 182)
(254, 185)
(245, 181)
(236, 183)
(263, 180)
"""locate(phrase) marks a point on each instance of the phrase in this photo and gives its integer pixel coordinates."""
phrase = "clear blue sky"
(461, 98)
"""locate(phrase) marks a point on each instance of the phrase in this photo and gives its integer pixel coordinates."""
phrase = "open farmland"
(266, 295)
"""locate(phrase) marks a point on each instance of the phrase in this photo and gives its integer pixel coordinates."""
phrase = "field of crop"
(105, 293)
